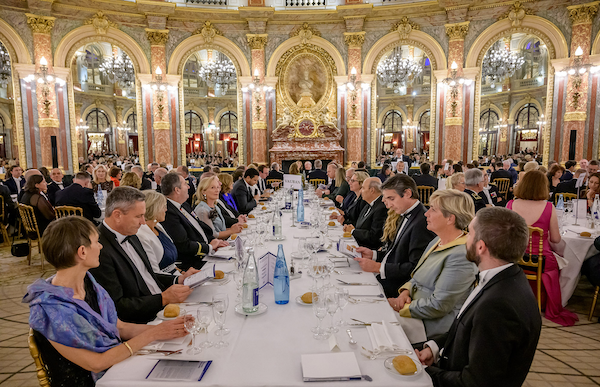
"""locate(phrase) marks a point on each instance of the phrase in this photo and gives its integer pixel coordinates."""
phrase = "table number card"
(292, 181)
(266, 270)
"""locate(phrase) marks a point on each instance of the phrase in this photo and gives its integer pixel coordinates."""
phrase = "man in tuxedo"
(398, 258)
(318, 172)
(146, 183)
(125, 271)
(151, 169)
(425, 179)
(158, 176)
(263, 172)
(15, 182)
(242, 192)
(330, 190)
(493, 339)
(491, 193)
(569, 186)
(274, 172)
(57, 184)
(184, 171)
(80, 194)
(501, 173)
(370, 222)
(400, 156)
(192, 237)
(569, 169)
(307, 169)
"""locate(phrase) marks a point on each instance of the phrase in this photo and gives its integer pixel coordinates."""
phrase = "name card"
(266, 270)
(292, 181)
(153, 185)
(580, 179)
(580, 209)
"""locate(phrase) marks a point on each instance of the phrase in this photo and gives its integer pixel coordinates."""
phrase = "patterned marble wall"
(175, 37)
(559, 16)
(63, 27)
(18, 21)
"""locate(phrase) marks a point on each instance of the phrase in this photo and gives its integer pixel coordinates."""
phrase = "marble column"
(81, 150)
(503, 131)
(121, 134)
(48, 123)
(161, 125)
(452, 146)
(409, 133)
(577, 85)
(354, 117)
(257, 44)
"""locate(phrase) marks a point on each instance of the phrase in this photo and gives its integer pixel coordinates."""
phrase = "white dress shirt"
(486, 192)
(59, 184)
(137, 261)
(193, 221)
(18, 183)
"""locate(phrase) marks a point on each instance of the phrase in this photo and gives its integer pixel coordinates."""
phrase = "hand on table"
(339, 199)
(399, 302)
(171, 329)
(348, 228)
(186, 274)
(237, 228)
(425, 356)
(175, 294)
(368, 265)
(243, 219)
(220, 243)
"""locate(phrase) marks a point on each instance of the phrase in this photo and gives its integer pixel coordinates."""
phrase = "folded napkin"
(362, 290)
(223, 253)
(381, 338)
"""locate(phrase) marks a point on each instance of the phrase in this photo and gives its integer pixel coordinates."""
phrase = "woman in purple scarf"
(74, 319)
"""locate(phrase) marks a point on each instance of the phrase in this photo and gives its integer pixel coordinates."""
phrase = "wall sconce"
(159, 88)
(43, 78)
(353, 85)
(577, 71)
(453, 81)
(256, 87)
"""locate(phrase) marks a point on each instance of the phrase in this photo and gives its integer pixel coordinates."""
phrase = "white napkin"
(381, 338)
(154, 346)
(363, 290)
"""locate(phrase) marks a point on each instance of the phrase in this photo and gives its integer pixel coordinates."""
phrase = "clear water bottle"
(596, 209)
(277, 223)
(300, 209)
(560, 204)
(100, 197)
(289, 197)
(250, 285)
(281, 280)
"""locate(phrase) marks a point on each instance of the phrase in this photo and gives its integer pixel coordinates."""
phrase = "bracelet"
(129, 348)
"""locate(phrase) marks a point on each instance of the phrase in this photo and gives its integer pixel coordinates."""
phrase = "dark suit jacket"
(318, 174)
(146, 184)
(354, 209)
(566, 176)
(567, 186)
(273, 174)
(405, 251)
(227, 211)
(369, 228)
(12, 185)
(186, 237)
(9, 205)
(426, 180)
(492, 343)
(121, 279)
(191, 190)
(53, 188)
(78, 196)
(243, 198)
(501, 173)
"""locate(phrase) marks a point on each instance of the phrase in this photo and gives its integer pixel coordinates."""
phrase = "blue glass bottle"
(300, 209)
(281, 279)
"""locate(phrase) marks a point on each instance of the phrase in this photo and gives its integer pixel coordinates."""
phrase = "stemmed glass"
(329, 265)
(224, 298)
(204, 317)
(238, 278)
(331, 301)
(343, 295)
(219, 307)
(192, 326)
(320, 310)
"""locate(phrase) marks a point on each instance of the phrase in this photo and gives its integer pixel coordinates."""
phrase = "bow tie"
(127, 238)
(477, 279)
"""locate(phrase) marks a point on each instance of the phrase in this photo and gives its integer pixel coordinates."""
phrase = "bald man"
(57, 184)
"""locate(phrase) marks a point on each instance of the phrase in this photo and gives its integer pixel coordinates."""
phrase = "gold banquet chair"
(567, 197)
(594, 300)
(425, 193)
(316, 182)
(31, 228)
(40, 367)
(63, 211)
(271, 181)
(2, 225)
(532, 263)
(503, 186)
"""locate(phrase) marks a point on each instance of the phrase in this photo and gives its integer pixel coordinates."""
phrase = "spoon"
(352, 341)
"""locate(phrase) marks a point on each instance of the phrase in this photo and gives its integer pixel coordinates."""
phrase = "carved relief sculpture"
(100, 23)
(404, 27)
(306, 32)
(208, 32)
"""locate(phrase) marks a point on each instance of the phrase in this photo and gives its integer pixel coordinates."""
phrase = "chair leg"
(4, 235)
(594, 303)
(29, 255)
(539, 293)
(41, 254)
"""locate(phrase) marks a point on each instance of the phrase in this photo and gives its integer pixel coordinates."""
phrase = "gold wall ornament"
(208, 32)
(305, 32)
(259, 125)
(575, 116)
(162, 125)
(516, 14)
(48, 123)
(157, 37)
(452, 121)
(100, 23)
(583, 14)
(354, 39)
(404, 27)
(40, 24)
(457, 31)
(257, 41)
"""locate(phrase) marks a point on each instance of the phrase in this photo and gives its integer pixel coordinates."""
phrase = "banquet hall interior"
(229, 83)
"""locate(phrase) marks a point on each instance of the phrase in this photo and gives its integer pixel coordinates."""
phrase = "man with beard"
(494, 337)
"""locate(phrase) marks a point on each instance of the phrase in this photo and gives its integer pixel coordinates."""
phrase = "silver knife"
(356, 283)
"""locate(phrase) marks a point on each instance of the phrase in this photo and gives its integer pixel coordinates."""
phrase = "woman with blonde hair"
(353, 203)
(100, 179)
(456, 181)
(131, 179)
(341, 186)
(207, 210)
(443, 277)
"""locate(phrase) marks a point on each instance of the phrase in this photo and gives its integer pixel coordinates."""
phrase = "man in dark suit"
(57, 184)
(15, 182)
(425, 179)
(368, 229)
(274, 172)
(151, 169)
(569, 186)
(184, 171)
(493, 340)
(263, 172)
(125, 271)
(569, 169)
(501, 173)
(398, 258)
(80, 194)
(400, 156)
(158, 175)
(242, 192)
(474, 188)
(146, 183)
(192, 237)
(318, 172)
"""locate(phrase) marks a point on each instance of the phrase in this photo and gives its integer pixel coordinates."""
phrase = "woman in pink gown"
(531, 203)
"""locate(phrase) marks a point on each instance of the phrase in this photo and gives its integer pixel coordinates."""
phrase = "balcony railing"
(304, 3)
(208, 2)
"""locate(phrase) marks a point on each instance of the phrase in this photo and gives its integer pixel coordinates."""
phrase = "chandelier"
(119, 70)
(499, 63)
(396, 71)
(218, 74)
(4, 66)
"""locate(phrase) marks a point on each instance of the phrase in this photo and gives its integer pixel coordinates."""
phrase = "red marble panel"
(452, 142)
(594, 84)
(162, 146)
(353, 144)
(29, 96)
(559, 120)
(259, 146)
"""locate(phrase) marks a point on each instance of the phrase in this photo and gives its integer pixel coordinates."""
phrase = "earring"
(204, 196)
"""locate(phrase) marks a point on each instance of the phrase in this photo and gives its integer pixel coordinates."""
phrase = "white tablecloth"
(265, 350)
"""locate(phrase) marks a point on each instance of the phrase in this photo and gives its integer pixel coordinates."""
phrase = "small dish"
(299, 301)
(299, 255)
(389, 366)
(225, 278)
(262, 308)
(161, 314)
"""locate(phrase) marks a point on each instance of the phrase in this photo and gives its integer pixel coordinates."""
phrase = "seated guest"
(226, 202)
(443, 277)
(368, 229)
(500, 172)
(242, 191)
(263, 172)
(15, 182)
(34, 195)
(125, 271)
(100, 181)
(331, 171)
(158, 245)
(593, 188)
(146, 183)
(474, 188)
(131, 179)
(274, 173)
(184, 171)
(386, 171)
(409, 238)
(318, 172)
(115, 175)
(192, 237)
(425, 179)
(491, 192)
(152, 170)
(56, 184)
(80, 194)
(591, 266)
(341, 187)
(554, 175)
(307, 169)
(499, 319)
(569, 186)
(74, 320)
(353, 203)
(531, 202)
(456, 181)
(159, 173)
(569, 169)
(400, 167)
(207, 210)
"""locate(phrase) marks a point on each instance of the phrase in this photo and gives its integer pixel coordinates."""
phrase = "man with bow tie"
(57, 184)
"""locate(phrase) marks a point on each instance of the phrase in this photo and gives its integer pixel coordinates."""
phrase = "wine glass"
(331, 302)
(204, 317)
(343, 295)
(320, 310)
(329, 266)
(219, 307)
(224, 299)
(238, 278)
(192, 326)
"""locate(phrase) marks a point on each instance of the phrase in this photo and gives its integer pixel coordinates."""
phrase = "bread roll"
(171, 310)
(233, 237)
(585, 234)
(261, 203)
(332, 208)
(308, 297)
(244, 225)
(264, 208)
(404, 365)
(347, 235)
(251, 216)
(219, 274)
(332, 224)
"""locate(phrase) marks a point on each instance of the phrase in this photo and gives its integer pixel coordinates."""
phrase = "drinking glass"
(204, 317)
(331, 302)
(320, 310)
(192, 326)
(219, 308)
(238, 277)
(224, 300)
(343, 295)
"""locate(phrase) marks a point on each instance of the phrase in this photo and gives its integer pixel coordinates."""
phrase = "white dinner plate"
(225, 278)
(298, 255)
(299, 300)
(161, 314)
(389, 366)
(262, 308)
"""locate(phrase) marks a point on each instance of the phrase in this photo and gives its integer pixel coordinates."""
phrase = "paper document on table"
(223, 253)
(330, 367)
(581, 210)
(292, 181)
(179, 370)
(364, 290)
(197, 279)
(266, 270)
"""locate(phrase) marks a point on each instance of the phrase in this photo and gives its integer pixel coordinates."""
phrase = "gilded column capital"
(457, 31)
(354, 39)
(584, 13)
(257, 41)
(157, 37)
(404, 27)
(40, 24)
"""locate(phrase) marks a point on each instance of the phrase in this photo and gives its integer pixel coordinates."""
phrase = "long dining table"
(266, 349)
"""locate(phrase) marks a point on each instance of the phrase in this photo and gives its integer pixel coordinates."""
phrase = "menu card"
(330, 367)
(197, 279)
(179, 370)
(266, 270)
(292, 181)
